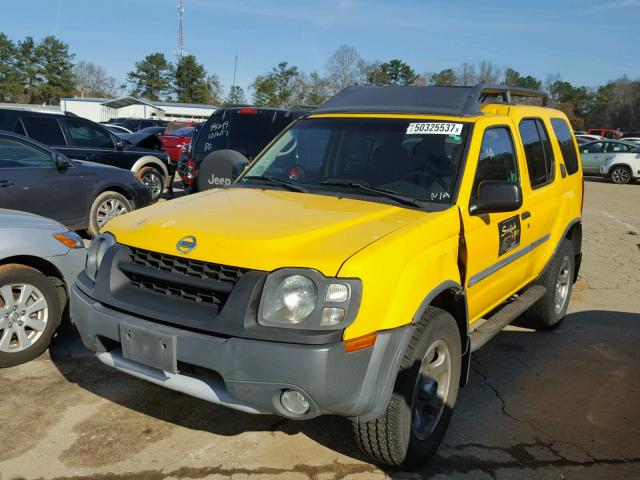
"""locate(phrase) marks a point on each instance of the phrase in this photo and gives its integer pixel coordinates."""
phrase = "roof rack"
(457, 101)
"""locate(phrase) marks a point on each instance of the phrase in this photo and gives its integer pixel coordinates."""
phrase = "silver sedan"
(39, 258)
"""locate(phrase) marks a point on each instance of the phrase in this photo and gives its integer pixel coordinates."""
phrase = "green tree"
(514, 79)
(10, 84)
(191, 82)
(277, 88)
(579, 97)
(394, 72)
(236, 96)
(55, 70)
(152, 77)
(27, 70)
(444, 77)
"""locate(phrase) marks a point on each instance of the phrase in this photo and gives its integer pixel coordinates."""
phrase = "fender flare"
(150, 159)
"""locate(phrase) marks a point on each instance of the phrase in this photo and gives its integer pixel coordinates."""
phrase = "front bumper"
(248, 374)
(141, 196)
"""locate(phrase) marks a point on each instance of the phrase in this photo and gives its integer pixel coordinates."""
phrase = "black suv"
(81, 195)
(82, 139)
(135, 124)
(227, 140)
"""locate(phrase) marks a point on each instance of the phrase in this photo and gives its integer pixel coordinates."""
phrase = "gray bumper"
(250, 375)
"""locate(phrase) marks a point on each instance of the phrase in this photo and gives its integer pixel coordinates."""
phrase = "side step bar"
(503, 317)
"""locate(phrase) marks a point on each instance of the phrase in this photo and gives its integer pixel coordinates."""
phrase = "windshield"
(414, 158)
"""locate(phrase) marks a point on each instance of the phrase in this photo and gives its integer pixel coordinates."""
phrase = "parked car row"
(618, 160)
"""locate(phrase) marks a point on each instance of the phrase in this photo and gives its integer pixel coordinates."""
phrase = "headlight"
(99, 246)
(306, 299)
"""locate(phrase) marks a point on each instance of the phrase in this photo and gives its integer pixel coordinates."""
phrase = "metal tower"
(180, 52)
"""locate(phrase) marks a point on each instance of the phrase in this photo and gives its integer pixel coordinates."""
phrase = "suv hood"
(263, 229)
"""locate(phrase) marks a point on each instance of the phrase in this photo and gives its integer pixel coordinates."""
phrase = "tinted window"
(44, 129)
(15, 154)
(497, 160)
(617, 148)
(84, 134)
(567, 147)
(20, 129)
(538, 154)
(593, 147)
(182, 132)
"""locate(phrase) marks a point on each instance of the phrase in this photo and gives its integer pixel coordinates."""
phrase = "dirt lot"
(556, 405)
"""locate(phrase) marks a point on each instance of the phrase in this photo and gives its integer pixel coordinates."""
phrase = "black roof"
(458, 101)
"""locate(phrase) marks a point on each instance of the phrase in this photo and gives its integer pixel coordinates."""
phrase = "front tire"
(29, 314)
(426, 389)
(620, 175)
(153, 180)
(548, 312)
(106, 206)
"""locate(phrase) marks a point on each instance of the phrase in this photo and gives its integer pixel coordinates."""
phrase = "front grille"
(182, 281)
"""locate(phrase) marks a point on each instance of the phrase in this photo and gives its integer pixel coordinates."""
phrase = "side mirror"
(61, 161)
(494, 196)
(119, 144)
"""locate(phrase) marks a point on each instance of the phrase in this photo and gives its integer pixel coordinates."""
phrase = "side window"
(565, 142)
(617, 148)
(44, 129)
(84, 134)
(19, 129)
(596, 147)
(15, 154)
(537, 150)
(497, 160)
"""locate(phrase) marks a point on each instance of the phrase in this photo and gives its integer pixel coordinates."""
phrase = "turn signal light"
(70, 239)
(360, 343)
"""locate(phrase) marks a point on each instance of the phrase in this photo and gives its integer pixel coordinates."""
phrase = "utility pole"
(180, 52)
(235, 67)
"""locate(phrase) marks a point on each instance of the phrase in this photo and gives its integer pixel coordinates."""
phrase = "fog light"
(331, 316)
(294, 402)
(338, 293)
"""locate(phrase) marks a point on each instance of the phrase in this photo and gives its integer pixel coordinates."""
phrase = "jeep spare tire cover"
(220, 168)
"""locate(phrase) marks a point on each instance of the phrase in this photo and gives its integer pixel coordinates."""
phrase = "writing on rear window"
(434, 128)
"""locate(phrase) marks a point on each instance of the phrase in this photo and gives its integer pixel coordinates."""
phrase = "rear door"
(592, 155)
(30, 181)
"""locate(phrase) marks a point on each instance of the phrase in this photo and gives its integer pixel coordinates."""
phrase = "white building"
(103, 109)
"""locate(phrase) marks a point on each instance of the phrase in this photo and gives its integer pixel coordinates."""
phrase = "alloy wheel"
(24, 313)
(562, 285)
(109, 209)
(153, 182)
(620, 175)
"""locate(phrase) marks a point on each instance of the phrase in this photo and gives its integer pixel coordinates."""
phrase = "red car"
(605, 132)
(173, 141)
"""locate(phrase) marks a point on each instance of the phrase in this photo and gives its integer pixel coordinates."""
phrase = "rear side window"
(537, 150)
(44, 129)
(497, 160)
(613, 147)
(15, 154)
(565, 142)
(20, 129)
(85, 134)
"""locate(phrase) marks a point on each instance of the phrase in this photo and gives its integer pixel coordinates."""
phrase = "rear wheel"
(426, 389)
(620, 174)
(153, 180)
(29, 314)
(549, 311)
(106, 206)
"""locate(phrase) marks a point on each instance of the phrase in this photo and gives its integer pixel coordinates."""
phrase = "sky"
(587, 42)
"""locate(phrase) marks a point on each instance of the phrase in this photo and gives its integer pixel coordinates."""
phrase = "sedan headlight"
(306, 299)
(99, 246)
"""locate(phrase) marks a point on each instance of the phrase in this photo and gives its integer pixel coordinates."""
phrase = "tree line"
(43, 71)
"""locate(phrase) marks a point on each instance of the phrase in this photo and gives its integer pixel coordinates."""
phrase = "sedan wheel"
(109, 209)
(620, 175)
(23, 317)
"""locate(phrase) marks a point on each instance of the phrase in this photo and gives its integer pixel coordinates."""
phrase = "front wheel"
(106, 206)
(620, 174)
(426, 389)
(153, 180)
(29, 314)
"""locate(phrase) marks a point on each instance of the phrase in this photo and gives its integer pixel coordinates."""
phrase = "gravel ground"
(549, 405)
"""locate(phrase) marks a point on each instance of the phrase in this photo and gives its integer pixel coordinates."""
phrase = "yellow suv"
(354, 265)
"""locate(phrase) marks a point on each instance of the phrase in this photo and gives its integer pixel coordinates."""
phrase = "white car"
(585, 138)
(614, 159)
(631, 139)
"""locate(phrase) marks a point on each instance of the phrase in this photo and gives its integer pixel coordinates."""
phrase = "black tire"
(620, 174)
(220, 168)
(395, 439)
(153, 179)
(14, 275)
(97, 217)
(545, 313)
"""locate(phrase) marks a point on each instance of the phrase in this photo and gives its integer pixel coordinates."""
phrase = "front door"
(492, 252)
(593, 156)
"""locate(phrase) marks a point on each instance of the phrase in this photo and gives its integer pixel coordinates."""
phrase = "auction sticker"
(433, 128)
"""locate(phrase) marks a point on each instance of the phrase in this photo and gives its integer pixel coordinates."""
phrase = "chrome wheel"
(24, 313)
(153, 181)
(563, 284)
(109, 209)
(620, 175)
(431, 390)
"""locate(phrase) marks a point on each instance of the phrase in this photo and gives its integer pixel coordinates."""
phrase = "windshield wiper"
(377, 191)
(288, 185)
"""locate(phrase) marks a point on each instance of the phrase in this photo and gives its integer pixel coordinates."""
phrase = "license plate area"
(149, 347)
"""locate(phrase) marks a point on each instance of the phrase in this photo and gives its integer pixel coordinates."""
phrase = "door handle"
(6, 183)
(525, 215)
(91, 156)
